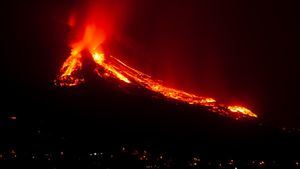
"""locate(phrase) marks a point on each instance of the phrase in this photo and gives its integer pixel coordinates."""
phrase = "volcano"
(109, 67)
(90, 33)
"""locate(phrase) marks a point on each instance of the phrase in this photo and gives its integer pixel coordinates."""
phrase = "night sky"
(235, 51)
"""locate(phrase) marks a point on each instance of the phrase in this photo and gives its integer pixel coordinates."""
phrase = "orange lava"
(114, 68)
(242, 110)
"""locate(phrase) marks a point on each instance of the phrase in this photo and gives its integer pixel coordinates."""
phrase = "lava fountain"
(91, 39)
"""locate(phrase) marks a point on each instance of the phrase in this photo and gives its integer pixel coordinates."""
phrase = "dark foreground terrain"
(104, 125)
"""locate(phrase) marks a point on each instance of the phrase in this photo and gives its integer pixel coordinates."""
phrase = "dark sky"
(242, 52)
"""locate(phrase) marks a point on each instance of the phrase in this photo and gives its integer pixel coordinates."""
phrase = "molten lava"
(116, 69)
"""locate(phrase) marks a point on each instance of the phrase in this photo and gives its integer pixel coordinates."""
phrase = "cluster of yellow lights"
(117, 69)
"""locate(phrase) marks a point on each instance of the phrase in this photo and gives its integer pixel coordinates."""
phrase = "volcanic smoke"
(90, 36)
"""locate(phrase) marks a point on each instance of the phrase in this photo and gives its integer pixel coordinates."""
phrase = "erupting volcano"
(91, 39)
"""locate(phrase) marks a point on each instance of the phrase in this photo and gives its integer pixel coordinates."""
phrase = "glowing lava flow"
(114, 68)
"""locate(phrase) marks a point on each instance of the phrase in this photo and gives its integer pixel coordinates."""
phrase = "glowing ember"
(114, 68)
